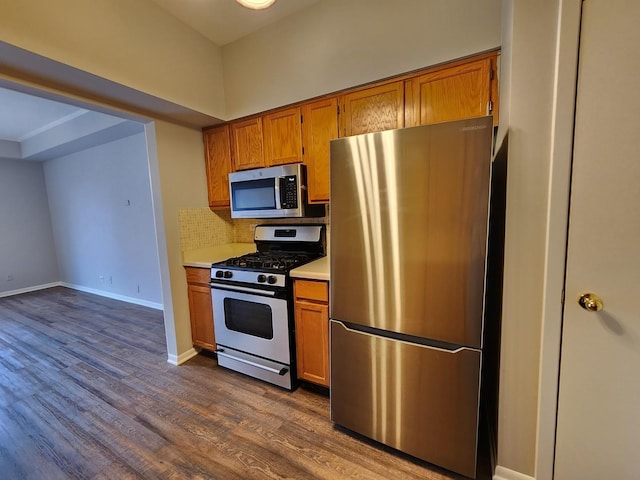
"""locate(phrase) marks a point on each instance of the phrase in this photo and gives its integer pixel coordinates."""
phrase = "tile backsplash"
(202, 228)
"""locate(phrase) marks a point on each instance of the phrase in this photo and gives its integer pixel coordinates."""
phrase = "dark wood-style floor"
(86, 392)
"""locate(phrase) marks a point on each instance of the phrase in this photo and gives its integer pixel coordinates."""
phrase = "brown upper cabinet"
(218, 164)
(451, 93)
(247, 145)
(460, 89)
(372, 109)
(282, 137)
(319, 126)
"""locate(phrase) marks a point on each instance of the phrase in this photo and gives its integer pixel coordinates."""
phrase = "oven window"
(251, 318)
(254, 194)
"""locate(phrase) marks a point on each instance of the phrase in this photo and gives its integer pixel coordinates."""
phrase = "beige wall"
(559, 192)
(337, 44)
(133, 43)
(180, 154)
(536, 109)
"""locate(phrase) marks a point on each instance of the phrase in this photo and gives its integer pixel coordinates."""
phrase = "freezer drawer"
(418, 399)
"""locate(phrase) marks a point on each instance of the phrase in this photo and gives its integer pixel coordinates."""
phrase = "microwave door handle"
(278, 184)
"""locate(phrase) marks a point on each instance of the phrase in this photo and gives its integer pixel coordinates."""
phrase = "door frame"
(562, 136)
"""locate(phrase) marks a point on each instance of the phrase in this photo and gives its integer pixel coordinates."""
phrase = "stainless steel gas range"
(252, 299)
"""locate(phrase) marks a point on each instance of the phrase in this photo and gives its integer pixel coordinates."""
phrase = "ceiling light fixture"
(256, 4)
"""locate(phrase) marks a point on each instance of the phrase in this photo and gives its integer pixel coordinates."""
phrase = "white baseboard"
(30, 289)
(183, 357)
(115, 296)
(102, 293)
(503, 473)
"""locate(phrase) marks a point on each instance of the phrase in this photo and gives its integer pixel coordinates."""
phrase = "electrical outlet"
(101, 278)
(10, 278)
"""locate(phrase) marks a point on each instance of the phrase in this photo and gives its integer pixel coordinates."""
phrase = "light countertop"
(204, 257)
(316, 270)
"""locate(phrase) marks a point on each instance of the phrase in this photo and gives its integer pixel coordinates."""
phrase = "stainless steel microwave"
(273, 192)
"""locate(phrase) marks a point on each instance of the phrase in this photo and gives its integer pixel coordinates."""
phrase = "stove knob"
(219, 273)
(228, 274)
(262, 278)
(271, 279)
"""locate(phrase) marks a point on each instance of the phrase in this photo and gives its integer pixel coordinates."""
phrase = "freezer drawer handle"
(281, 372)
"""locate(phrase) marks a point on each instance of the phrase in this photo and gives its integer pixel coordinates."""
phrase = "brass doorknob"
(590, 302)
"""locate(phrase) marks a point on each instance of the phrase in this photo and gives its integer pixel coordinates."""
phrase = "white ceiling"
(38, 129)
(224, 21)
(24, 116)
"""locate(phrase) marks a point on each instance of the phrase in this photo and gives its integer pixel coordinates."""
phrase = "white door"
(598, 425)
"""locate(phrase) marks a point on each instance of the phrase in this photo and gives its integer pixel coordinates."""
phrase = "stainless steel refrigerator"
(408, 242)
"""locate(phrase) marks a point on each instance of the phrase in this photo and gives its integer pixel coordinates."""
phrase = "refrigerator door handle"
(417, 341)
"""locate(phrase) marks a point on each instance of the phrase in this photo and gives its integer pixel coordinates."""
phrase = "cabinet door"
(218, 164)
(312, 342)
(282, 137)
(201, 315)
(454, 93)
(319, 126)
(246, 142)
(373, 109)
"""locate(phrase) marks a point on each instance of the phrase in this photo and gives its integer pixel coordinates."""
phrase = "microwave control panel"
(289, 191)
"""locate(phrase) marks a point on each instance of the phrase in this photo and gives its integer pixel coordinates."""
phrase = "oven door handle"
(282, 371)
(257, 291)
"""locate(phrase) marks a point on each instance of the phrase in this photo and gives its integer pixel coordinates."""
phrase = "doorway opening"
(81, 200)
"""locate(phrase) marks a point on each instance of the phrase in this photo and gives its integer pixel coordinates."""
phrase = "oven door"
(252, 321)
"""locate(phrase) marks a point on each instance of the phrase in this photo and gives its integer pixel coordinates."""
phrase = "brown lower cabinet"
(312, 330)
(200, 307)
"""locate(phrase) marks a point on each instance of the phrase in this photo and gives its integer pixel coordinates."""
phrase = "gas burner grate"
(269, 260)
